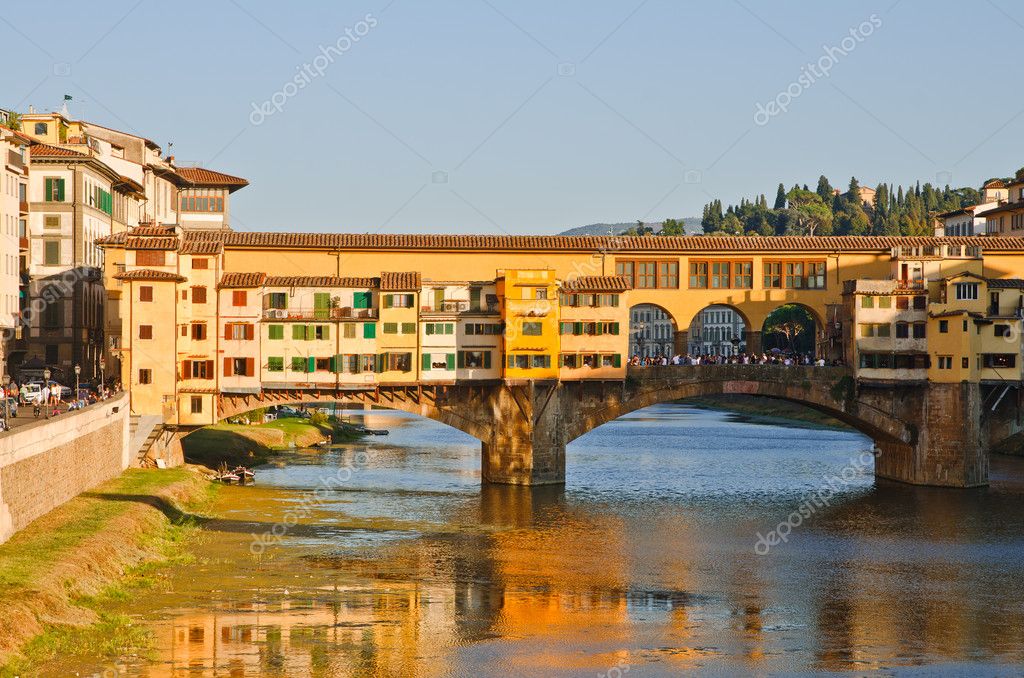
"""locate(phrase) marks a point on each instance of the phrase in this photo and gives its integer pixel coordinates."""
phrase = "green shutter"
(450, 361)
(474, 298)
(462, 359)
(615, 328)
(361, 300)
(298, 331)
(380, 362)
(297, 363)
(60, 190)
(577, 328)
(49, 190)
(511, 362)
(388, 300)
(487, 360)
(426, 362)
(369, 331)
(449, 328)
(327, 331)
(408, 328)
(333, 363)
(617, 360)
(275, 332)
(430, 328)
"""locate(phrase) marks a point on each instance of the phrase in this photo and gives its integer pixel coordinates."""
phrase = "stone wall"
(48, 462)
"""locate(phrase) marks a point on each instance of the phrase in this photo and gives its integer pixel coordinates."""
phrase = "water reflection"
(643, 561)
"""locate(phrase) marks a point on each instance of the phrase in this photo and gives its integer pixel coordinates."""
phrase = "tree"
(780, 198)
(672, 227)
(824, 189)
(791, 328)
(14, 121)
(731, 224)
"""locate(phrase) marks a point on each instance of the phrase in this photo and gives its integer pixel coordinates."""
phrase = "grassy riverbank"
(254, 444)
(58, 574)
(760, 410)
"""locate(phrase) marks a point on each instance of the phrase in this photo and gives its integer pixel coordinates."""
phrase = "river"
(647, 562)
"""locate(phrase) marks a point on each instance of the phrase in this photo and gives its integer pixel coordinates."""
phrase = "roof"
(400, 282)
(200, 176)
(151, 243)
(1008, 207)
(27, 140)
(1005, 283)
(240, 280)
(149, 274)
(48, 151)
(201, 247)
(955, 312)
(609, 244)
(598, 283)
(320, 281)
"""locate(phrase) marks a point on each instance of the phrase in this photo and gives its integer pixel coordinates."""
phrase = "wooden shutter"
(450, 361)
(60, 190)
(617, 360)
(49, 190)
(426, 362)
(369, 331)
(388, 300)
(311, 365)
(250, 367)
(487, 360)
(250, 332)
(186, 369)
(227, 367)
(227, 332)
(209, 369)
(461, 359)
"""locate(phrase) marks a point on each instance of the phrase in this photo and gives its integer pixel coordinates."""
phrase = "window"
(275, 364)
(964, 363)
(41, 128)
(277, 300)
(145, 376)
(698, 274)
(794, 274)
(816, 275)
(650, 274)
(408, 328)
(920, 330)
(997, 360)
(875, 329)
(197, 369)
(150, 258)
(369, 331)
(240, 331)
(945, 362)
(867, 302)
(398, 362)
(902, 330)
(532, 329)
(966, 291)
(301, 364)
(742, 274)
(200, 264)
(902, 303)
(275, 332)
(54, 189)
(198, 295)
(390, 328)
(198, 331)
(145, 331)
(145, 293)
(239, 298)
(197, 404)
(361, 299)
(474, 329)
(399, 300)
(541, 361)
(1002, 330)
(51, 353)
(772, 274)
(348, 330)
(438, 361)
(51, 252)
(943, 326)
(440, 328)
(540, 293)
(884, 302)
(474, 359)
(920, 303)
(51, 221)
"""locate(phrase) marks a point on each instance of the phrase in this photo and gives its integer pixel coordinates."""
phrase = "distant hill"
(692, 226)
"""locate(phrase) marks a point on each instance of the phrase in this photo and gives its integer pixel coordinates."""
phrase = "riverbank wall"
(45, 463)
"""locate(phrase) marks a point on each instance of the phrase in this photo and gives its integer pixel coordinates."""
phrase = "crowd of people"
(785, 359)
(49, 400)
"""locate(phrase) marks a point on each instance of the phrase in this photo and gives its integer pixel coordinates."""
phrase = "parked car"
(32, 392)
(12, 403)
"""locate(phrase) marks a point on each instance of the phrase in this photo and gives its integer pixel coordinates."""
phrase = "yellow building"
(529, 309)
(593, 328)
(398, 339)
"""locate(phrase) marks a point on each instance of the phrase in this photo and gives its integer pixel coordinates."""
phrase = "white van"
(32, 392)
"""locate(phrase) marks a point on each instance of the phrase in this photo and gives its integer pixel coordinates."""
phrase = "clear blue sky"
(543, 115)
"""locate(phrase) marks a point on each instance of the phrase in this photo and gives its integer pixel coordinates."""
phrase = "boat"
(377, 431)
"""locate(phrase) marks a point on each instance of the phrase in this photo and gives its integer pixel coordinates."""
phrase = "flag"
(67, 97)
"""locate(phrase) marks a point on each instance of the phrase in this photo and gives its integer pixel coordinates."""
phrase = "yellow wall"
(521, 311)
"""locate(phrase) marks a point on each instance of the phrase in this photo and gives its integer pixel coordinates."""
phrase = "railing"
(342, 313)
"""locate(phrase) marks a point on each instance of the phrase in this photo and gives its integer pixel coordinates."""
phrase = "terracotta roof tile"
(610, 244)
(320, 281)
(598, 283)
(162, 229)
(48, 151)
(239, 280)
(150, 243)
(1005, 283)
(149, 274)
(200, 176)
(201, 247)
(400, 282)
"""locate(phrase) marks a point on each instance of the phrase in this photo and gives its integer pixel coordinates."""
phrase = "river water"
(647, 562)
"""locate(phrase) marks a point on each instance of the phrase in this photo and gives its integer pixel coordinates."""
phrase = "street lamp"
(46, 385)
(78, 371)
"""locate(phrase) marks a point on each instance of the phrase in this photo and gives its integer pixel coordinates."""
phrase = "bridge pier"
(947, 449)
(526, 446)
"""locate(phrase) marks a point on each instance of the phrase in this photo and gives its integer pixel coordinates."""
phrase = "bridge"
(928, 434)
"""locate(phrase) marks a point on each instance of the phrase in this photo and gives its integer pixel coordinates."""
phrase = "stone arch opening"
(718, 329)
(793, 328)
(653, 331)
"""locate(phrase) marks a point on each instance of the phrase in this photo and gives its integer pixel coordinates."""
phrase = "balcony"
(341, 313)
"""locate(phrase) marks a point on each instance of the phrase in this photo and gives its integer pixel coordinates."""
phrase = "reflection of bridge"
(924, 433)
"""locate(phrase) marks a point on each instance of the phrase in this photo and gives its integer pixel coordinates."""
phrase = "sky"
(531, 116)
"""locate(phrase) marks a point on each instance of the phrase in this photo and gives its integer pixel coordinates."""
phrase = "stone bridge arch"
(827, 390)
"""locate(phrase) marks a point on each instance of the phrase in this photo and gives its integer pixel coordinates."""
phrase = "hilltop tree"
(780, 198)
